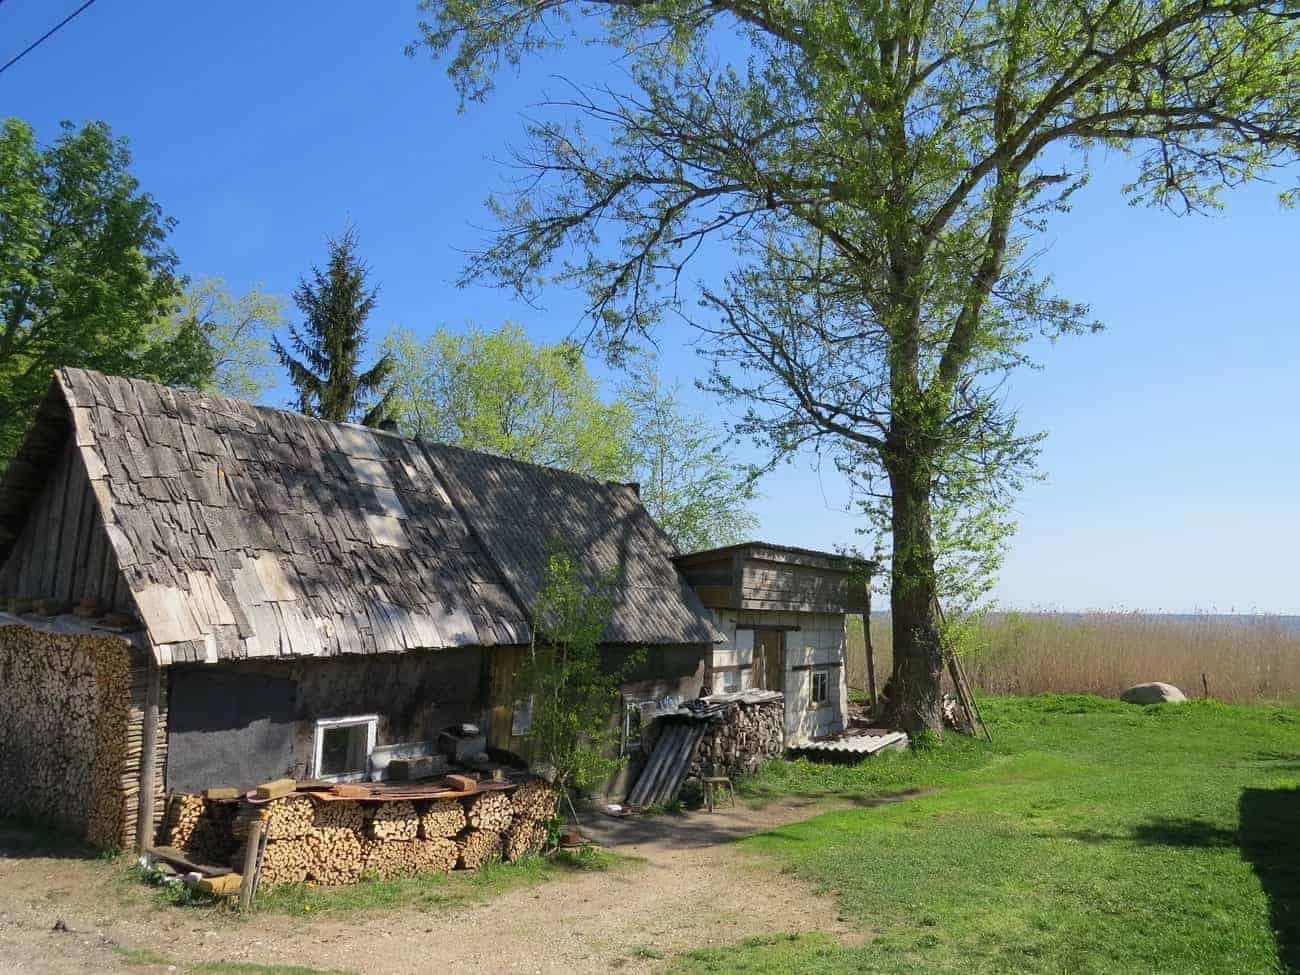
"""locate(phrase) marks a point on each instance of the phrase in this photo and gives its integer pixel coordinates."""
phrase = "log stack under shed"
(333, 842)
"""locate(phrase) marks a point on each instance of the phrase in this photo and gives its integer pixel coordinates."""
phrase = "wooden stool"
(710, 784)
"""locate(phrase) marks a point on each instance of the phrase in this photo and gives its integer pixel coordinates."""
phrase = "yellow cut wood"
(275, 788)
(227, 885)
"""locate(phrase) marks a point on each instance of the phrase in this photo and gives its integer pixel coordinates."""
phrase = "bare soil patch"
(687, 885)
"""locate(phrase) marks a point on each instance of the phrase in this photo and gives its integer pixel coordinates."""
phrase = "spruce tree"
(335, 303)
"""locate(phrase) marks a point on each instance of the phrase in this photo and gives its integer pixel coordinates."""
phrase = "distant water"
(1290, 624)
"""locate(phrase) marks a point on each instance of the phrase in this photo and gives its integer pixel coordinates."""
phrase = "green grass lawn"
(1091, 837)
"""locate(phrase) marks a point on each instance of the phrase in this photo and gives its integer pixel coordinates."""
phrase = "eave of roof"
(834, 561)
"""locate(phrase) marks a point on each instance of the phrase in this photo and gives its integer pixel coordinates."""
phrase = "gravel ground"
(689, 888)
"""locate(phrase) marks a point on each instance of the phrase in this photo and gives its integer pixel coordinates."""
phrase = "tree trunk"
(918, 655)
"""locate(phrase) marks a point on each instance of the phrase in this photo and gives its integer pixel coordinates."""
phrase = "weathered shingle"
(516, 509)
(252, 532)
(244, 531)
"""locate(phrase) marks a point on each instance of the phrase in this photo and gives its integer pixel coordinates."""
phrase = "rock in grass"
(1153, 692)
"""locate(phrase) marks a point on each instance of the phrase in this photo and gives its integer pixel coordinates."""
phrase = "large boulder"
(1154, 692)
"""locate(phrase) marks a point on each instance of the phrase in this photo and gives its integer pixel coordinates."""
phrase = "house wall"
(63, 552)
(813, 641)
(261, 719)
(71, 722)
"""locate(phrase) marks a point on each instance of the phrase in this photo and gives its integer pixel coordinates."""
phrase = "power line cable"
(44, 37)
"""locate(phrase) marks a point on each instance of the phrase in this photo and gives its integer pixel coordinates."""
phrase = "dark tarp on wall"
(228, 728)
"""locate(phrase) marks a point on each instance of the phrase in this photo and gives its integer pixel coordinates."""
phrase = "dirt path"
(691, 888)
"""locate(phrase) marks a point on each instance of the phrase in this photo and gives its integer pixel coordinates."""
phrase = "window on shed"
(819, 691)
(343, 747)
(730, 681)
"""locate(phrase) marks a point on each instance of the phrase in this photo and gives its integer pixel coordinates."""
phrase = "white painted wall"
(820, 638)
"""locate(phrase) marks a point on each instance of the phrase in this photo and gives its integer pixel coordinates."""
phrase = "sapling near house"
(571, 688)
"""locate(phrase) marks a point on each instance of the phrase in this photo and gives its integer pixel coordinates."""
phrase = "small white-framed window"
(730, 681)
(819, 691)
(341, 751)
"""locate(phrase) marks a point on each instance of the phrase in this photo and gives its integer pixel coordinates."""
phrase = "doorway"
(769, 659)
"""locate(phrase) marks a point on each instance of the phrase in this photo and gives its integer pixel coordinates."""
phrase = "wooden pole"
(144, 823)
(252, 847)
(871, 655)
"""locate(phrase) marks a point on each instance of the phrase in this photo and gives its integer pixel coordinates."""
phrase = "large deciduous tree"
(85, 272)
(237, 329)
(690, 483)
(879, 171)
(498, 391)
(323, 356)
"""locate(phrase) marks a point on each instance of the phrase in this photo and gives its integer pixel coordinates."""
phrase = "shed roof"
(790, 554)
(515, 509)
(249, 531)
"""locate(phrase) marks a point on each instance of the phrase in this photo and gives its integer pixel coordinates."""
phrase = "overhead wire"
(44, 37)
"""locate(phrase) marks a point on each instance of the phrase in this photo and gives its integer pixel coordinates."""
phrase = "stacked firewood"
(525, 837)
(477, 846)
(536, 800)
(395, 821)
(747, 736)
(183, 815)
(212, 839)
(489, 811)
(340, 815)
(442, 818)
(286, 862)
(71, 733)
(336, 855)
(289, 818)
(438, 854)
(334, 842)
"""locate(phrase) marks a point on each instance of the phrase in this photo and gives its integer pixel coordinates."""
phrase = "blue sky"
(1173, 460)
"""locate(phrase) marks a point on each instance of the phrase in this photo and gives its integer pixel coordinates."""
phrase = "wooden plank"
(57, 538)
(144, 833)
(175, 857)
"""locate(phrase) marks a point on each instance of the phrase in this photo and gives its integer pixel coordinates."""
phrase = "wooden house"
(200, 592)
(783, 612)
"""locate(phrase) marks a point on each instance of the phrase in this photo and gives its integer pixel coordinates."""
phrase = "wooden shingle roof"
(516, 509)
(246, 531)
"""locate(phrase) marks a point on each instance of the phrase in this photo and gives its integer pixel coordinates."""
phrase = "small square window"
(343, 747)
(730, 681)
(820, 690)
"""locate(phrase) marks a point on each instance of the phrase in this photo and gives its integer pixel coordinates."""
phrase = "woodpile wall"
(746, 737)
(338, 842)
(71, 725)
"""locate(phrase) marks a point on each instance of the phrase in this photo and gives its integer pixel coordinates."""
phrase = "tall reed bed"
(1248, 658)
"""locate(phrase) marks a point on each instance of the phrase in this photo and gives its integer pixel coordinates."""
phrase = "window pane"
(343, 750)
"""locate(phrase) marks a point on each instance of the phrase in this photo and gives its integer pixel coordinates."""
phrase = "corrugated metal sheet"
(664, 773)
(854, 744)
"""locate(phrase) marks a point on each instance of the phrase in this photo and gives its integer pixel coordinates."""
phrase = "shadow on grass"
(22, 838)
(1270, 840)
(1268, 837)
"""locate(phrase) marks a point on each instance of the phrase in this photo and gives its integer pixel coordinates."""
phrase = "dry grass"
(1245, 659)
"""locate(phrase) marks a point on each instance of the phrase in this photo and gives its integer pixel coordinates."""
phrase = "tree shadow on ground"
(1185, 832)
(1270, 840)
(26, 839)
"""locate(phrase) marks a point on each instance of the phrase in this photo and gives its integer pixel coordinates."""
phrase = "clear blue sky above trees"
(1174, 456)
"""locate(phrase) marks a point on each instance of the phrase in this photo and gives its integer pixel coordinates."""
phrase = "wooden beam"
(144, 824)
(871, 656)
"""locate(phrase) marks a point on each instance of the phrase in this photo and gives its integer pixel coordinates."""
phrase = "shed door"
(769, 659)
